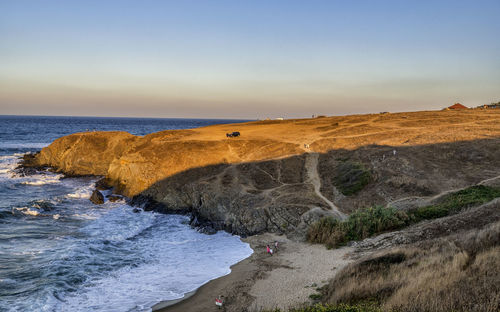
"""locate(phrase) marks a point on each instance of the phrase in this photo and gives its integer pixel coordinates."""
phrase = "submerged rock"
(97, 198)
(136, 210)
(103, 184)
(207, 230)
(114, 198)
(25, 171)
(42, 204)
(28, 165)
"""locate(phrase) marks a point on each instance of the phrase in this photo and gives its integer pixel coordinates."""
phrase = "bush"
(365, 307)
(360, 224)
(457, 201)
(315, 296)
(367, 222)
(351, 177)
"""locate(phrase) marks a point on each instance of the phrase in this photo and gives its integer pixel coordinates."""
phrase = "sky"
(246, 59)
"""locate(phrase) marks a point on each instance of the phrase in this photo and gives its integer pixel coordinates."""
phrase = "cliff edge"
(279, 176)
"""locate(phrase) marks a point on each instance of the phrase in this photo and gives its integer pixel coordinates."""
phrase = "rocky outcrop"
(97, 198)
(281, 176)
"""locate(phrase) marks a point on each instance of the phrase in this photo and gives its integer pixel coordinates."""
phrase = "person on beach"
(269, 250)
(219, 301)
(276, 246)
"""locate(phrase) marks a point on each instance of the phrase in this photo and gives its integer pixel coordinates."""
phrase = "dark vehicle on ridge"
(233, 134)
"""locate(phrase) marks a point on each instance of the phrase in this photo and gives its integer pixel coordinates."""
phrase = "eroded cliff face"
(88, 153)
(281, 176)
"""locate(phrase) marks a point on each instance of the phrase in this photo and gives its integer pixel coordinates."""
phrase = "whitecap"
(41, 180)
(28, 211)
(27, 145)
(174, 259)
(82, 191)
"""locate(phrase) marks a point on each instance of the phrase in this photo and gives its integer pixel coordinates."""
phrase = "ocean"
(60, 252)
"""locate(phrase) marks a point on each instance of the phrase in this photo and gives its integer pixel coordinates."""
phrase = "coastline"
(254, 283)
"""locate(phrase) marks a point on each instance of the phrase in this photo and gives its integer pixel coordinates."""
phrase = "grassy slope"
(375, 220)
(455, 273)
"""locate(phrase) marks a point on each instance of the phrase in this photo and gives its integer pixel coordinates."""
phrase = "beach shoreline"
(253, 283)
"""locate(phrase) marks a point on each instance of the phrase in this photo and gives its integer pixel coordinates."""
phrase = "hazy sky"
(246, 59)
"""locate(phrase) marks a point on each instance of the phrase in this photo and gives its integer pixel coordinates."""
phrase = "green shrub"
(367, 307)
(454, 202)
(360, 224)
(351, 177)
(315, 296)
(367, 222)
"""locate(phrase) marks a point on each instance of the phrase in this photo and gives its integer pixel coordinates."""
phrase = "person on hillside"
(276, 246)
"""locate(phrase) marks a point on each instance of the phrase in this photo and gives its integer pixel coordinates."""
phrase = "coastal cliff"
(280, 176)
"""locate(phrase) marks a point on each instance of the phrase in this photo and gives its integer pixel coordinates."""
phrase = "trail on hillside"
(429, 199)
(312, 171)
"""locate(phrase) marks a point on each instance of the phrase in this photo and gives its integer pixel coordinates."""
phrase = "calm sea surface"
(60, 252)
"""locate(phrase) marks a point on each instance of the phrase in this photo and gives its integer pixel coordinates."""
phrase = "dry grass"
(139, 162)
(456, 273)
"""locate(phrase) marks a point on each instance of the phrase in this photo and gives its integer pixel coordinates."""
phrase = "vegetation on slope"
(367, 222)
(455, 273)
(336, 308)
(351, 177)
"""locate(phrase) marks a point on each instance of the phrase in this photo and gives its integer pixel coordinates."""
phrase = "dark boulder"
(28, 165)
(25, 171)
(42, 204)
(136, 210)
(97, 198)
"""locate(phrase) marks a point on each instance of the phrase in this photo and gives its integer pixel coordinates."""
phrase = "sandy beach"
(283, 280)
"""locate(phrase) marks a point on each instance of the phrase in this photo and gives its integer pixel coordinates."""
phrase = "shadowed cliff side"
(279, 196)
(280, 176)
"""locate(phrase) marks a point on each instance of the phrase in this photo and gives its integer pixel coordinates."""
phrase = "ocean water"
(60, 252)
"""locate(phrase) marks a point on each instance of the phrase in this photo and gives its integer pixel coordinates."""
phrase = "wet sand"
(261, 281)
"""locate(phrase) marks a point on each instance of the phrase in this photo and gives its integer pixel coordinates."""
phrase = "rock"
(97, 198)
(42, 204)
(25, 171)
(103, 184)
(308, 218)
(29, 165)
(207, 230)
(194, 221)
(136, 210)
(147, 203)
(114, 198)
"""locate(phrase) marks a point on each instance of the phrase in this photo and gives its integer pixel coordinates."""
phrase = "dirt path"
(312, 171)
(428, 200)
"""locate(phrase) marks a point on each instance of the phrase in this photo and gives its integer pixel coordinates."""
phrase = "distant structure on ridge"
(457, 106)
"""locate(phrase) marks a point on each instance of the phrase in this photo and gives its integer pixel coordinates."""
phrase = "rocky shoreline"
(28, 166)
(278, 178)
(269, 180)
